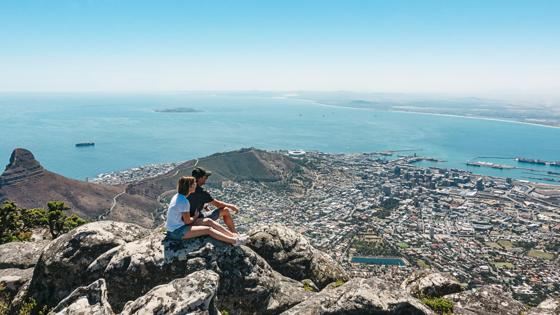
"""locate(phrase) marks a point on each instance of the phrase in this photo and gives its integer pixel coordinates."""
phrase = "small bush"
(338, 283)
(307, 287)
(439, 305)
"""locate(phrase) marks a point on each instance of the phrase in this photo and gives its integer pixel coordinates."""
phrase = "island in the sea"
(178, 110)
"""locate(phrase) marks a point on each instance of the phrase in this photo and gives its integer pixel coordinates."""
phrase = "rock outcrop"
(12, 279)
(91, 299)
(489, 299)
(427, 284)
(20, 254)
(360, 296)
(547, 307)
(247, 282)
(193, 294)
(61, 267)
(106, 267)
(292, 255)
(22, 166)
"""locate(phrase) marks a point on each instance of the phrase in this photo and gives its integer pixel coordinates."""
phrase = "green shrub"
(307, 287)
(16, 223)
(439, 305)
(4, 300)
(31, 308)
(338, 283)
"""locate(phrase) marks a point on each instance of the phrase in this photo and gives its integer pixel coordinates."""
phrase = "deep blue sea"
(128, 132)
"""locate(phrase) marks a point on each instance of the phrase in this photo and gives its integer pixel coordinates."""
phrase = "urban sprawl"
(379, 215)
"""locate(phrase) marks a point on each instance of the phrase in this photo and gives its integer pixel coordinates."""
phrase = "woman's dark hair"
(184, 183)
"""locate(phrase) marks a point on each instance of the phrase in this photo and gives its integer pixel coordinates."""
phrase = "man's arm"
(221, 204)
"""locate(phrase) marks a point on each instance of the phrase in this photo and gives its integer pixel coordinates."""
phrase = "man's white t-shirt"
(179, 204)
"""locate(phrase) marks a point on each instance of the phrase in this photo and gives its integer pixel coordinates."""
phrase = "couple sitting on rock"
(185, 218)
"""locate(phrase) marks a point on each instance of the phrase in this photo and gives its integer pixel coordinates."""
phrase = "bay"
(128, 131)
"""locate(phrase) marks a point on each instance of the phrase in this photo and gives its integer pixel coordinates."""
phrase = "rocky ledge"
(110, 267)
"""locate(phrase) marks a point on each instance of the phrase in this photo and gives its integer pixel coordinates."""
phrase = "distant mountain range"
(27, 183)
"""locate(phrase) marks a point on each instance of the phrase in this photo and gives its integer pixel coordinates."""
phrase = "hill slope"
(242, 165)
(28, 184)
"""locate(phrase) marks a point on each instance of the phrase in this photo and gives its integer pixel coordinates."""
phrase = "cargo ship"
(530, 161)
(85, 144)
(489, 164)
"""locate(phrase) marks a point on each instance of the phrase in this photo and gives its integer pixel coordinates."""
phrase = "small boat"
(85, 144)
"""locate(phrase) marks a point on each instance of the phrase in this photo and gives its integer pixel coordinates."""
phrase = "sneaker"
(240, 241)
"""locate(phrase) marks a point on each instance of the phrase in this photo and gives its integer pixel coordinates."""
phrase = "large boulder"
(488, 299)
(549, 306)
(292, 255)
(61, 267)
(12, 279)
(247, 283)
(91, 299)
(360, 296)
(427, 284)
(193, 294)
(21, 254)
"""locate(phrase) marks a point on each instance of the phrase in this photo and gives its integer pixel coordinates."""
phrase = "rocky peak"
(107, 267)
(22, 165)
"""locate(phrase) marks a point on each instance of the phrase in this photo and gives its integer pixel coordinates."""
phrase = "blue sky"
(469, 47)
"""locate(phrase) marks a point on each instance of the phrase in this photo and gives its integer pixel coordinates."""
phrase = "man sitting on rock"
(200, 198)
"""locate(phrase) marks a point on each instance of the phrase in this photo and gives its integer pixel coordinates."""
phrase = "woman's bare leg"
(215, 225)
(199, 230)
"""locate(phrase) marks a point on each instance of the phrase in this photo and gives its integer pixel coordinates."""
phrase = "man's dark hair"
(200, 172)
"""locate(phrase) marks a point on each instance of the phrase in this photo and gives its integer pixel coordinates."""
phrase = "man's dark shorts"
(215, 215)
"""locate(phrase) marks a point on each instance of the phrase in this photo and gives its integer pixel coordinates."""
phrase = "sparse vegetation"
(307, 287)
(403, 245)
(338, 283)
(365, 248)
(439, 305)
(4, 300)
(16, 223)
(540, 254)
(503, 265)
(422, 264)
(505, 244)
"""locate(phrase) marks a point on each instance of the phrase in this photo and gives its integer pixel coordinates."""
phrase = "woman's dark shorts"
(178, 233)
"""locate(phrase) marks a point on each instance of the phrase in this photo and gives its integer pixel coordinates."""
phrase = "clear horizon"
(431, 47)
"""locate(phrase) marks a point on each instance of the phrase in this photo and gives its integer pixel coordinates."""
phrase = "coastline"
(432, 114)
(138, 173)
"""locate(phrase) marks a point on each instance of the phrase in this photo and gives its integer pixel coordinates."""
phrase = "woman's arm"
(187, 218)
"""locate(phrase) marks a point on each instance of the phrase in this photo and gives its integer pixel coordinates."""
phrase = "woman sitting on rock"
(180, 225)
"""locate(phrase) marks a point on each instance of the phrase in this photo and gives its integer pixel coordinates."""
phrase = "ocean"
(128, 131)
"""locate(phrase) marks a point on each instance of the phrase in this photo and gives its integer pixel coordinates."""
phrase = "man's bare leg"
(228, 220)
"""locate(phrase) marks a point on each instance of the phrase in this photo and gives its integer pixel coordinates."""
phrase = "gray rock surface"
(360, 296)
(430, 284)
(247, 283)
(12, 279)
(61, 267)
(193, 294)
(489, 299)
(90, 300)
(292, 255)
(547, 307)
(20, 254)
